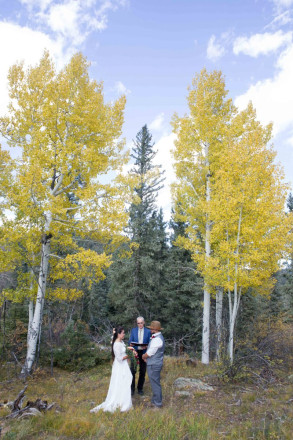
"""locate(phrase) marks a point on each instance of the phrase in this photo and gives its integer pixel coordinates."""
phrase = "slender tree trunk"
(206, 327)
(174, 347)
(4, 329)
(35, 325)
(219, 312)
(206, 300)
(30, 307)
(233, 310)
(72, 310)
(234, 305)
(40, 334)
(30, 318)
(51, 338)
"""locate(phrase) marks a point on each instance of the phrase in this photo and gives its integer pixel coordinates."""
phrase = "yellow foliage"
(6, 164)
(64, 294)
(68, 183)
(83, 264)
(248, 228)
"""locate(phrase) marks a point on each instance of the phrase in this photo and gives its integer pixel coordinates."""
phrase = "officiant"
(139, 339)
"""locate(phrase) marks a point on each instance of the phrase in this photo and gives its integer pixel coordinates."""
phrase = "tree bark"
(31, 302)
(206, 301)
(4, 328)
(30, 318)
(206, 327)
(219, 312)
(233, 308)
(36, 322)
(51, 340)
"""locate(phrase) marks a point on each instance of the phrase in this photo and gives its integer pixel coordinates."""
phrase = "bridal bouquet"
(133, 356)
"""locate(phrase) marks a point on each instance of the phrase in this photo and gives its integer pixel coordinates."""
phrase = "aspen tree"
(200, 137)
(68, 181)
(232, 196)
(250, 227)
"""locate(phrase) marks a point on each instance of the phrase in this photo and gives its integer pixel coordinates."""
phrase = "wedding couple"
(149, 346)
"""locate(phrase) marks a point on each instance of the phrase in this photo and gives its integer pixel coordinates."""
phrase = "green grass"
(229, 412)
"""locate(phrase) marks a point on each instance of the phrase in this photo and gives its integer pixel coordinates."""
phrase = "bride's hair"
(116, 332)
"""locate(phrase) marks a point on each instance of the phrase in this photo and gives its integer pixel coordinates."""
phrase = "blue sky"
(151, 49)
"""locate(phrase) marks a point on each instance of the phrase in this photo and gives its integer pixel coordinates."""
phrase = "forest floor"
(238, 410)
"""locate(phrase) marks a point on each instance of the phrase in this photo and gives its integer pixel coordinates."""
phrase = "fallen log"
(17, 404)
(35, 408)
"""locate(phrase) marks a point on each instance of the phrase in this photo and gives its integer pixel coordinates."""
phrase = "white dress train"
(119, 393)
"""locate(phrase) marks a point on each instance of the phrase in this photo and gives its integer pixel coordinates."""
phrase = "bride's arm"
(118, 352)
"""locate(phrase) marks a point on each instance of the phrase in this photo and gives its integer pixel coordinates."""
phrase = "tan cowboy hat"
(155, 325)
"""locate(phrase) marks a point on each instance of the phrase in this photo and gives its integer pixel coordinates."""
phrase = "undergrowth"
(232, 411)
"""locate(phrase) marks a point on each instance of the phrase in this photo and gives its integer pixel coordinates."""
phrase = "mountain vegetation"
(84, 247)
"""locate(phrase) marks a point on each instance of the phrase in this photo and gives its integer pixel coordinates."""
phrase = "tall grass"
(262, 414)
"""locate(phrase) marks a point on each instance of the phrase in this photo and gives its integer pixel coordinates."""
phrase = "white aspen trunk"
(233, 308)
(30, 318)
(206, 327)
(232, 318)
(35, 325)
(219, 313)
(232, 321)
(30, 306)
(206, 300)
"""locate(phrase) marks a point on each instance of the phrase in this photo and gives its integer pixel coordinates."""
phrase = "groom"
(154, 358)
(139, 335)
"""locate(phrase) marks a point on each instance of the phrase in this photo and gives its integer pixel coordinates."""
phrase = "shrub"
(77, 351)
(259, 358)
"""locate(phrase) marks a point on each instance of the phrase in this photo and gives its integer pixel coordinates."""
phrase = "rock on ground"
(190, 383)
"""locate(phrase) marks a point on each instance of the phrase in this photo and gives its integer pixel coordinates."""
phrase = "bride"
(119, 393)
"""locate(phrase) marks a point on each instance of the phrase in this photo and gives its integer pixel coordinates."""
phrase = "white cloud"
(283, 3)
(157, 123)
(164, 158)
(121, 89)
(281, 19)
(72, 20)
(272, 97)
(64, 19)
(214, 50)
(261, 44)
(22, 43)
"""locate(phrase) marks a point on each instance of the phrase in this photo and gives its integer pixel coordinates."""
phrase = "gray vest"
(157, 358)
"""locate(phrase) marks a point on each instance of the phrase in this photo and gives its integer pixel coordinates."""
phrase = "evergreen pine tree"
(158, 274)
(290, 202)
(182, 314)
(135, 281)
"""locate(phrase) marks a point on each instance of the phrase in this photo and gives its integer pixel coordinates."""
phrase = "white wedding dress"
(119, 393)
